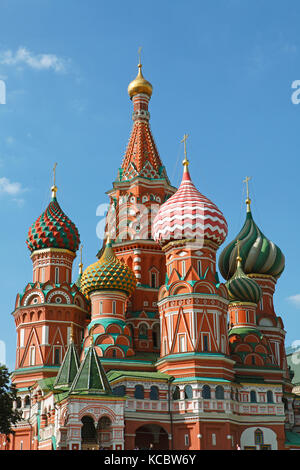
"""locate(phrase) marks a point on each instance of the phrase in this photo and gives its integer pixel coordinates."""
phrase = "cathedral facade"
(148, 348)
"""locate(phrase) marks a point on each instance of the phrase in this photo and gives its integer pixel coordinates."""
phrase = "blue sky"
(221, 71)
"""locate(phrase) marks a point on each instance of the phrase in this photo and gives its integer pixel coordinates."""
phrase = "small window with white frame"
(182, 343)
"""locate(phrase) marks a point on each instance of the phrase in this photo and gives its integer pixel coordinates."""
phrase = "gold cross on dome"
(185, 161)
(246, 180)
(248, 200)
(54, 171)
(139, 53)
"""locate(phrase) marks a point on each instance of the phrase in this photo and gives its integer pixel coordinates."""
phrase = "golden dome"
(139, 85)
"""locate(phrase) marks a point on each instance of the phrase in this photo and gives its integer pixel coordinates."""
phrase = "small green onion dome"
(259, 254)
(108, 273)
(53, 229)
(242, 288)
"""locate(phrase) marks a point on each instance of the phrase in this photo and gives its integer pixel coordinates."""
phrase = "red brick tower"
(51, 304)
(141, 187)
(263, 262)
(192, 303)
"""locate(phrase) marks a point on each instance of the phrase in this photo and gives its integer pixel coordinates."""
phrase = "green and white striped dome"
(259, 254)
(242, 288)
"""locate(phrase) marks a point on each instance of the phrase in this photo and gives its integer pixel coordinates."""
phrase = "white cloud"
(7, 187)
(36, 61)
(295, 299)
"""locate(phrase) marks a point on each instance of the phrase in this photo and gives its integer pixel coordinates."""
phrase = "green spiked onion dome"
(259, 254)
(53, 229)
(242, 288)
(108, 273)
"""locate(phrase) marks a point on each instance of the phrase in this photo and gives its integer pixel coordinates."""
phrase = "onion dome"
(259, 254)
(53, 229)
(242, 288)
(189, 215)
(139, 85)
(108, 273)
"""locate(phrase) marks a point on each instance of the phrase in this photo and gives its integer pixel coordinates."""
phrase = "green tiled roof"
(292, 438)
(68, 368)
(117, 374)
(91, 376)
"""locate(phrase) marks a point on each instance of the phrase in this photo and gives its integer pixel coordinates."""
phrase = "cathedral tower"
(50, 305)
(141, 187)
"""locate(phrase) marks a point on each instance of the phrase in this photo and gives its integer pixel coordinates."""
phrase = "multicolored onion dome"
(108, 273)
(53, 229)
(259, 254)
(242, 288)
(189, 215)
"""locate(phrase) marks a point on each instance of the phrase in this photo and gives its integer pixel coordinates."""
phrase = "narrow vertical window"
(182, 346)
(186, 440)
(114, 307)
(153, 280)
(56, 275)
(67, 275)
(43, 275)
(183, 268)
(22, 338)
(56, 356)
(205, 343)
(199, 269)
(32, 356)
(213, 440)
(100, 307)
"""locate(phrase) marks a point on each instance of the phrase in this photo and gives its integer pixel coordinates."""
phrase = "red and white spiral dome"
(189, 215)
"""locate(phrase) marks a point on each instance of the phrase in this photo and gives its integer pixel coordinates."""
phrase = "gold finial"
(185, 161)
(139, 84)
(80, 264)
(54, 188)
(238, 258)
(248, 200)
(91, 335)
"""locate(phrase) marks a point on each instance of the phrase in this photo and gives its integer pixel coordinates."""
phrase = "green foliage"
(8, 394)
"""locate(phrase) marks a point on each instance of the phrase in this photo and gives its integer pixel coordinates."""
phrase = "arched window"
(27, 401)
(119, 391)
(258, 437)
(104, 423)
(219, 392)
(88, 431)
(19, 402)
(253, 398)
(156, 336)
(231, 394)
(154, 393)
(206, 394)
(237, 396)
(270, 398)
(188, 392)
(176, 393)
(143, 331)
(139, 392)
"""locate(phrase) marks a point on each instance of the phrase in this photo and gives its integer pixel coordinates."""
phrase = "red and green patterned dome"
(53, 229)
(108, 273)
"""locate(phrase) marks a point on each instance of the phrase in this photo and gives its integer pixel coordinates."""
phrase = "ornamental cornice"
(52, 250)
(194, 298)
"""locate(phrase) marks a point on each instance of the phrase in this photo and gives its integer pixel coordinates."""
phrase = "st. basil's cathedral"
(148, 348)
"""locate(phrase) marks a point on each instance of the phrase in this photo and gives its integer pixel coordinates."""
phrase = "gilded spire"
(185, 161)
(80, 264)
(54, 188)
(248, 200)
